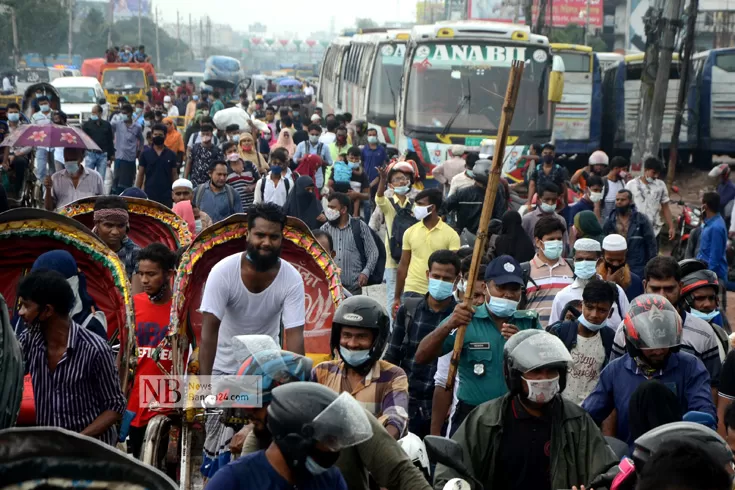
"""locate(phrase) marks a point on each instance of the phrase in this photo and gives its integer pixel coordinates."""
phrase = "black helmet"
(687, 266)
(362, 312)
(302, 414)
(651, 323)
(697, 280)
(532, 349)
(481, 170)
(701, 436)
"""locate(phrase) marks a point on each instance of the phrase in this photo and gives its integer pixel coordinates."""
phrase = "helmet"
(416, 450)
(481, 170)
(362, 312)
(722, 170)
(598, 157)
(687, 266)
(697, 280)
(532, 349)
(651, 323)
(301, 414)
(701, 436)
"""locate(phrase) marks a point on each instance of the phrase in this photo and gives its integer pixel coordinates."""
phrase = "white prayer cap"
(614, 243)
(587, 245)
(182, 183)
(315, 117)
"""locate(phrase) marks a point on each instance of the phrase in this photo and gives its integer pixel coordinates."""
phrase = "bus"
(578, 118)
(370, 80)
(454, 84)
(330, 74)
(621, 105)
(712, 104)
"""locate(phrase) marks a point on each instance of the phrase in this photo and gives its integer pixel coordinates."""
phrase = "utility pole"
(191, 38)
(587, 23)
(541, 21)
(70, 40)
(209, 36)
(686, 70)
(158, 47)
(178, 38)
(140, 21)
(201, 38)
(111, 17)
(648, 78)
(16, 47)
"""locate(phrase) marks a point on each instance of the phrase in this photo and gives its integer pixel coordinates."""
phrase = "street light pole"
(587, 24)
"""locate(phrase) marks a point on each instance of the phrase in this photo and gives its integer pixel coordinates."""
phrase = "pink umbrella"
(50, 136)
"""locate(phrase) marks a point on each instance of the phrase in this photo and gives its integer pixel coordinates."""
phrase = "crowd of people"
(579, 338)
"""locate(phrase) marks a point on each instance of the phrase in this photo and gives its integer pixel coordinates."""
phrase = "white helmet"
(457, 484)
(414, 447)
(599, 157)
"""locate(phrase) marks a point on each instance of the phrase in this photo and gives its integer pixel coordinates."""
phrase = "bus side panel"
(596, 107)
(693, 114)
(631, 107)
(619, 101)
(722, 122)
(572, 115)
(609, 118)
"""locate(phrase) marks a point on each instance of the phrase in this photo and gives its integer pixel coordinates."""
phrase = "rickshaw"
(26, 233)
(323, 293)
(12, 366)
(30, 95)
(150, 221)
(26, 198)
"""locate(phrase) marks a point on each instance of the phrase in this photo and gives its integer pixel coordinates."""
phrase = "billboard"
(565, 12)
(496, 10)
(130, 8)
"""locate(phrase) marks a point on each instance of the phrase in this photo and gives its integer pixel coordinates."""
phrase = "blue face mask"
(553, 249)
(585, 269)
(470, 174)
(14, 117)
(72, 167)
(94, 117)
(440, 290)
(548, 208)
(589, 325)
(501, 307)
(276, 169)
(196, 97)
(353, 165)
(313, 467)
(650, 180)
(708, 317)
(354, 358)
(402, 190)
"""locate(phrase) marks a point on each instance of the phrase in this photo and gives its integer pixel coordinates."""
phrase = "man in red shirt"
(156, 267)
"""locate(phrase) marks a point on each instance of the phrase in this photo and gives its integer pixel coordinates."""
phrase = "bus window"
(576, 62)
(726, 62)
(634, 72)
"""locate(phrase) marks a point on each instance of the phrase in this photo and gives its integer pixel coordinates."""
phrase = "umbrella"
(287, 98)
(50, 136)
(289, 82)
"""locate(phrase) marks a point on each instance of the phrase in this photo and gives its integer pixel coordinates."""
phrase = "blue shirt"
(306, 148)
(712, 245)
(217, 205)
(578, 207)
(255, 472)
(372, 160)
(128, 139)
(684, 375)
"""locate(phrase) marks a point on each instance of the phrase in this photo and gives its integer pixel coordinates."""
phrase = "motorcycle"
(449, 453)
(689, 219)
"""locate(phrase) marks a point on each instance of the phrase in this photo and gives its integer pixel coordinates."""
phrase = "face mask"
(470, 174)
(595, 196)
(247, 148)
(195, 98)
(353, 165)
(650, 180)
(313, 139)
(197, 225)
(276, 169)
(440, 290)
(147, 124)
(71, 167)
(501, 307)
(708, 317)
(623, 209)
(372, 139)
(139, 111)
(313, 467)
(38, 95)
(548, 208)
(45, 108)
(236, 138)
(332, 214)
(93, 117)
(233, 157)
(14, 117)
(548, 158)
(402, 190)
(590, 326)
(553, 249)
(165, 104)
(126, 117)
(267, 136)
(585, 269)
(421, 212)
(158, 140)
(613, 268)
(542, 390)
(354, 358)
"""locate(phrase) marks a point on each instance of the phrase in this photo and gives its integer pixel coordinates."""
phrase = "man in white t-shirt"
(252, 292)
(614, 182)
(651, 196)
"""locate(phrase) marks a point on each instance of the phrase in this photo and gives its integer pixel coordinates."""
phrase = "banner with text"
(565, 12)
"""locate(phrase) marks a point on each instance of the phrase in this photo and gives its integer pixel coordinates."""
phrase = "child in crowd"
(243, 174)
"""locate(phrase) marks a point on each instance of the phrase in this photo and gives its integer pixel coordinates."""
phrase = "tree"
(574, 34)
(365, 23)
(40, 28)
(91, 39)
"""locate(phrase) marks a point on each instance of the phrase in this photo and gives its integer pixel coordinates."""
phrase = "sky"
(298, 16)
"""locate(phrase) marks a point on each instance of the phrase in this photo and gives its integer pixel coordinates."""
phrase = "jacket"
(380, 455)
(567, 333)
(579, 452)
(642, 244)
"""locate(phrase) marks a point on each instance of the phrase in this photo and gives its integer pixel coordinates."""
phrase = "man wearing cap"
(488, 328)
(313, 147)
(183, 190)
(171, 109)
(614, 267)
(447, 170)
(638, 231)
(587, 255)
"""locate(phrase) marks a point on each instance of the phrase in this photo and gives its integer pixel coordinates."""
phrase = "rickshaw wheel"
(155, 442)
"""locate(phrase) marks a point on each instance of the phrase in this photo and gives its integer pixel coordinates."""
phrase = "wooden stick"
(509, 105)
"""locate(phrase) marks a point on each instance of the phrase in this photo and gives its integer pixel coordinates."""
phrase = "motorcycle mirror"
(675, 188)
(447, 452)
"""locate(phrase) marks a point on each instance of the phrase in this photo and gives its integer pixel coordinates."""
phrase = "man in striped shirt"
(549, 272)
(75, 383)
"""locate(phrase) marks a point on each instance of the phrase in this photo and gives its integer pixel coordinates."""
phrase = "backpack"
(286, 182)
(199, 193)
(403, 220)
(376, 277)
(410, 304)
(526, 274)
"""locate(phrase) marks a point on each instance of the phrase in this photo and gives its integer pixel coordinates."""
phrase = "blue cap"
(504, 270)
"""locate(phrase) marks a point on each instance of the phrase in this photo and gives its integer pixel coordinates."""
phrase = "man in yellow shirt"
(400, 178)
(419, 242)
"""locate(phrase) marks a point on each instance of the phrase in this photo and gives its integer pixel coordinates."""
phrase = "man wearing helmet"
(309, 424)
(699, 297)
(381, 456)
(596, 166)
(488, 327)
(360, 330)
(725, 187)
(653, 336)
(508, 441)
(467, 202)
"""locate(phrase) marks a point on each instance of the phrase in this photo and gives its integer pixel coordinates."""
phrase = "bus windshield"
(725, 62)
(123, 79)
(467, 83)
(576, 62)
(385, 86)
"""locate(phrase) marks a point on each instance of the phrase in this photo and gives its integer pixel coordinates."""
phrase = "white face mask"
(421, 212)
(542, 390)
(595, 196)
(331, 214)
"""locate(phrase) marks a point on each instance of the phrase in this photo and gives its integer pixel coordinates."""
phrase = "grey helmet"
(481, 170)
(532, 349)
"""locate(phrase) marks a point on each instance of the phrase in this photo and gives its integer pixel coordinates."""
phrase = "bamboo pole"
(509, 105)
